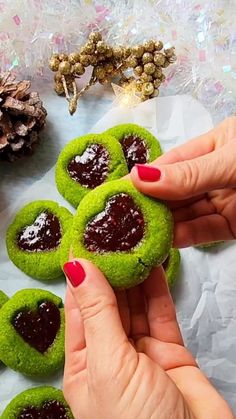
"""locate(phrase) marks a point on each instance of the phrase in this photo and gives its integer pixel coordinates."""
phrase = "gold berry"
(159, 59)
(157, 83)
(99, 72)
(85, 60)
(166, 63)
(108, 67)
(148, 89)
(138, 70)
(59, 89)
(63, 57)
(169, 52)
(65, 67)
(158, 73)
(138, 85)
(101, 46)
(57, 77)
(79, 69)
(158, 45)
(149, 46)
(118, 52)
(95, 36)
(138, 51)
(109, 52)
(147, 58)
(146, 77)
(74, 57)
(126, 52)
(149, 68)
(54, 64)
(132, 62)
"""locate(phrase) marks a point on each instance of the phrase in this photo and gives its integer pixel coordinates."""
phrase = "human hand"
(125, 356)
(198, 181)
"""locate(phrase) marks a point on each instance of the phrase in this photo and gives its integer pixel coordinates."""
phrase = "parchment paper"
(205, 294)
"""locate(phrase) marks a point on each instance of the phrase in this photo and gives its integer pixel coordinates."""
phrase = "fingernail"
(74, 272)
(148, 173)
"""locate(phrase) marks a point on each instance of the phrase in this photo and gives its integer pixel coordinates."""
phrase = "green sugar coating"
(18, 354)
(123, 269)
(3, 298)
(153, 145)
(35, 397)
(44, 265)
(72, 190)
(172, 267)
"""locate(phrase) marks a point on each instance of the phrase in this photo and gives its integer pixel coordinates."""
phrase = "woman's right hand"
(198, 181)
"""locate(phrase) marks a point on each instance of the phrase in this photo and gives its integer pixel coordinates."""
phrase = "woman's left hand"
(125, 356)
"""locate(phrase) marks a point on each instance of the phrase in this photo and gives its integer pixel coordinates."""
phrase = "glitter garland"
(203, 33)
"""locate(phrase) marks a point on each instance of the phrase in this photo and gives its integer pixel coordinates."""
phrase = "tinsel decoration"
(203, 33)
(145, 60)
(22, 116)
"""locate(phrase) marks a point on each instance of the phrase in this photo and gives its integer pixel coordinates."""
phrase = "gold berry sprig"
(146, 61)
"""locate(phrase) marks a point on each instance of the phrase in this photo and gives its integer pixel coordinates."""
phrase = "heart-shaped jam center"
(44, 234)
(38, 328)
(135, 150)
(50, 410)
(91, 168)
(119, 227)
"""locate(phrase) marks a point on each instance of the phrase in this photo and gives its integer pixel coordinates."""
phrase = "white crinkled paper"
(205, 294)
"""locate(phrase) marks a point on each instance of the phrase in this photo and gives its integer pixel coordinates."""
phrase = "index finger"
(196, 147)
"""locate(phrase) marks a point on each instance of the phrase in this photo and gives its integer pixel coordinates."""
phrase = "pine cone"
(22, 116)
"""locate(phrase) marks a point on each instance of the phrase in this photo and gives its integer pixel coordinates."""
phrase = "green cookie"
(41, 225)
(87, 162)
(40, 402)
(3, 298)
(32, 332)
(122, 231)
(171, 266)
(138, 144)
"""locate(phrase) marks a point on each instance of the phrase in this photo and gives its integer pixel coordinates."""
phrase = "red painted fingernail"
(74, 272)
(148, 173)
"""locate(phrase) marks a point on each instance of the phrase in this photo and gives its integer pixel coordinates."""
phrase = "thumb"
(96, 300)
(188, 178)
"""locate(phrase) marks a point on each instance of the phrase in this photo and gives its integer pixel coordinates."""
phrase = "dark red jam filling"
(135, 150)
(50, 410)
(38, 328)
(91, 168)
(119, 227)
(166, 263)
(43, 235)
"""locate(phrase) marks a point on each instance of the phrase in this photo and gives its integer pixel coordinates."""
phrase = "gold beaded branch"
(146, 61)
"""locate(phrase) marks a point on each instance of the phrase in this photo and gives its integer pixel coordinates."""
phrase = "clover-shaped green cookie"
(38, 403)
(122, 231)
(138, 144)
(87, 162)
(32, 332)
(34, 237)
(3, 298)
(171, 266)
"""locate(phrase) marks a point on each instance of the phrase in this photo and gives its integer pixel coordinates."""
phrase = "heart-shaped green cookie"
(32, 332)
(138, 144)
(33, 239)
(38, 403)
(87, 162)
(122, 231)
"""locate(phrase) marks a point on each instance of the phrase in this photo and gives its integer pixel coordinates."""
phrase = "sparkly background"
(203, 32)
